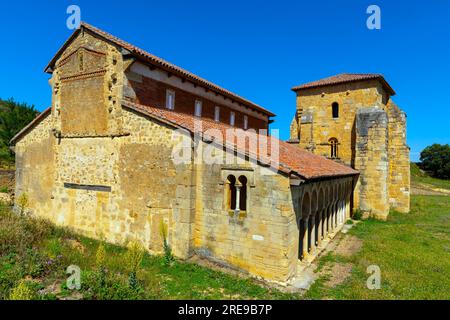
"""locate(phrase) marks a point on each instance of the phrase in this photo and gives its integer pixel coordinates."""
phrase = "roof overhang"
(130, 50)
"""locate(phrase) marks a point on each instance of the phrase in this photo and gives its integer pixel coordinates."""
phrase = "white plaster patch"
(257, 237)
(60, 220)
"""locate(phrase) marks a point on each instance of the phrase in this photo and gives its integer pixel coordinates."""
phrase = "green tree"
(436, 160)
(14, 117)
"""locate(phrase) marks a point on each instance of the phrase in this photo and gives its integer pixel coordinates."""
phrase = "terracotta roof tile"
(150, 58)
(346, 78)
(292, 159)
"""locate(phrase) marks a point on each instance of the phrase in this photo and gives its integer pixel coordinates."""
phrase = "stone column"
(320, 229)
(340, 213)
(333, 210)
(305, 237)
(336, 216)
(313, 233)
(329, 220)
(238, 200)
(349, 208)
(345, 210)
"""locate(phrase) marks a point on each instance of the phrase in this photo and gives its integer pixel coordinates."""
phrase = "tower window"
(170, 99)
(334, 148)
(335, 110)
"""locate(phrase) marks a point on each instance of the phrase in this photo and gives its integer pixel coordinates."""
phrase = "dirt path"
(336, 272)
(427, 190)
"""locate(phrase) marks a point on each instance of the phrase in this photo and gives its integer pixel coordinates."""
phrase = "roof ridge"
(345, 78)
(292, 159)
(162, 63)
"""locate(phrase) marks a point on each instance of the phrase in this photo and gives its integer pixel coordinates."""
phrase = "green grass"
(419, 177)
(35, 250)
(412, 251)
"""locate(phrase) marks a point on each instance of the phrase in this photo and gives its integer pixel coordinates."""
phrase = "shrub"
(17, 233)
(357, 214)
(100, 256)
(436, 160)
(22, 292)
(133, 260)
(22, 202)
(54, 248)
(114, 287)
(168, 256)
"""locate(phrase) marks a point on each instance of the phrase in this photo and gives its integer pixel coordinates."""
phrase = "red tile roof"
(156, 61)
(346, 78)
(292, 159)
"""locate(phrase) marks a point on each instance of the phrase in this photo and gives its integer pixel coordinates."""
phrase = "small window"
(80, 60)
(232, 118)
(170, 99)
(231, 201)
(334, 148)
(198, 108)
(243, 193)
(217, 114)
(245, 122)
(335, 110)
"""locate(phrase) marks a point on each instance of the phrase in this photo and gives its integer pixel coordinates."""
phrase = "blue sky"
(258, 49)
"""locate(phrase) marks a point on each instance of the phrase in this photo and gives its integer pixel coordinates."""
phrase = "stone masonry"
(370, 131)
(100, 160)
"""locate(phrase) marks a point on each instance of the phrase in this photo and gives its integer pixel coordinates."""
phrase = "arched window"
(335, 110)
(243, 193)
(334, 148)
(231, 192)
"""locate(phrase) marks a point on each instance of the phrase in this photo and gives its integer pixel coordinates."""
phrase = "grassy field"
(418, 177)
(412, 251)
(39, 253)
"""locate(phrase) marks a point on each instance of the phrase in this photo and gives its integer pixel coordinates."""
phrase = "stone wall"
(371, 160)
(123, 188)
(35, 166)
(263, 239)
(317, 126)
(378, 149)
(109, 172)
(117, 189)
(399, 162)
(87, 86)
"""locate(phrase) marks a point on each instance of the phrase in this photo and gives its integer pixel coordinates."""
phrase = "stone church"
(103, 159)
(352, 119)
